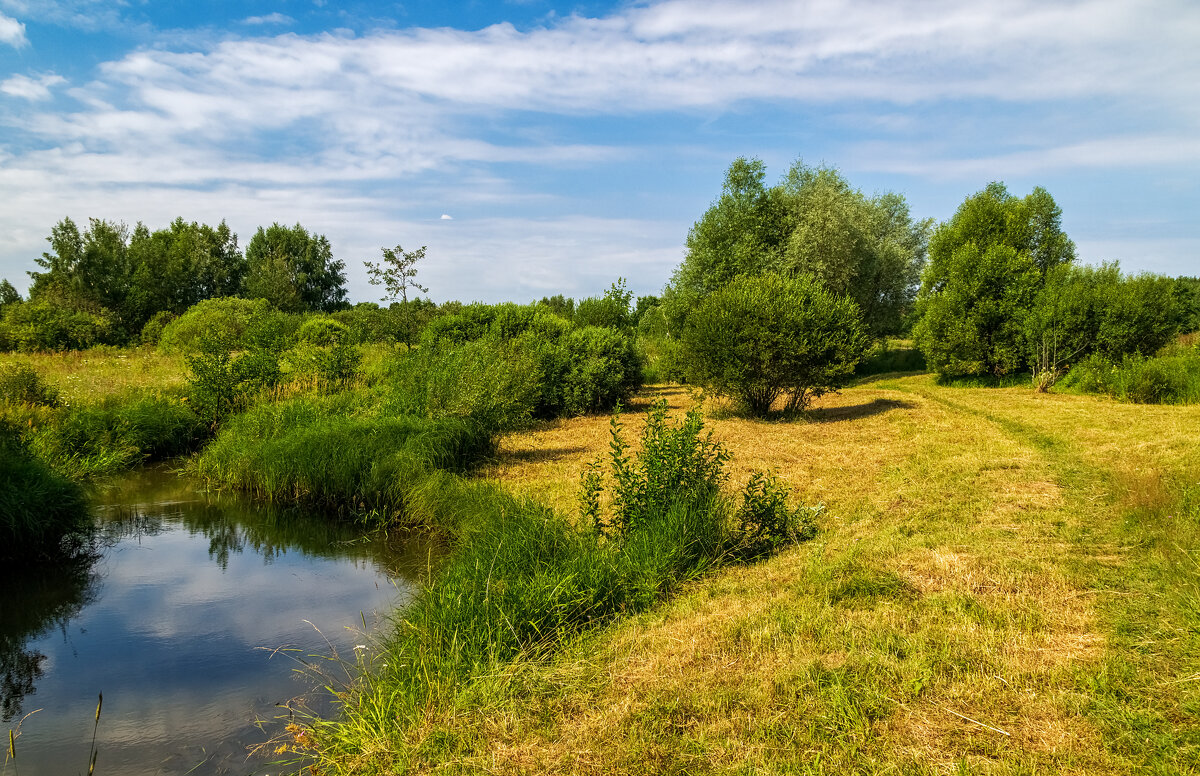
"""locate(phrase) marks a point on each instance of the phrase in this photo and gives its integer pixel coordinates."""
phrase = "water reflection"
(34, 602)
(175, 620)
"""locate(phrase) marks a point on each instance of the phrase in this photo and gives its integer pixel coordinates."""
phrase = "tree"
(8, 294)
(294, 270)
(761, 338)
(813, 223)
(397, 273)
(177, 267)
(987, 265)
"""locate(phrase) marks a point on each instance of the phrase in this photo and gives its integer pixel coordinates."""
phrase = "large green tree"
(987, 266)
(813, 222)
(294, 270)
(174, 268)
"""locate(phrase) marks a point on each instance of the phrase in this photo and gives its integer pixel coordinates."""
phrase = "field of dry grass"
(1005, 582)
(85, 375)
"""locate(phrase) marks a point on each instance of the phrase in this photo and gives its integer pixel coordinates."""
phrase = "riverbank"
(1004, 582)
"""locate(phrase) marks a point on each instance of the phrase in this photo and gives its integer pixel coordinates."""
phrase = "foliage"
(21, 384)
(226, 320)
(322, 330)
(762, 338)
(153, 330)
(814, 223)
(563, 306)
(397, 273)
(85, 440)
(609, 311)
(891, 356)
(987, 265)
(677, 466)
(1086, 310)
(8, 294)
(130, 276)
(222, 379)
(484, 382)
(572, 370)
(46, 326)
(1166, 379)
(765, 522)
(38, 508)
(293, 270)
(1187, 293)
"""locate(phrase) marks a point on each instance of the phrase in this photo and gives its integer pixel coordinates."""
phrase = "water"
(192, 619)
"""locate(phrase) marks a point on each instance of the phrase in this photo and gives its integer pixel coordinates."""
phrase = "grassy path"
(1006, 583)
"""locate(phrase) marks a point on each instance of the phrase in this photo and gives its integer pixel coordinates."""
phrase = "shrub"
(226, 320)
(764, 520)
(152, 331)
(45, 326)
(220, 380)
(760, 338)
(21, 384)
(1165, 379)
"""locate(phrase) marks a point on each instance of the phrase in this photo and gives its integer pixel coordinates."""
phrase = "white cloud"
(301, 127)
(12, 32)
(271, 18)
(447, 217)
(31, 88)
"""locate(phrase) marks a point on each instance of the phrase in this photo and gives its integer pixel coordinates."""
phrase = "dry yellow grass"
(944, 619)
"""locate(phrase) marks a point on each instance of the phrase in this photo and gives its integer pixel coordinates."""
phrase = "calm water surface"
(191, 619)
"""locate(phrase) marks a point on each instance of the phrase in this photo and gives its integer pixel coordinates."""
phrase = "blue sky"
(542, 147)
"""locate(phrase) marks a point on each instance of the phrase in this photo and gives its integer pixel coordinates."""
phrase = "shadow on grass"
(855, 411)
(540, 455)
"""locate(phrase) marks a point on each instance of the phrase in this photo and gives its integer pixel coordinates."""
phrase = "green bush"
(153, 330)
(226, 320)
(570, 370)
(1165, 379)
(39, 509)
(221, 380)
(322, 331)
(762, 338)
(21, 384)
(44, 326)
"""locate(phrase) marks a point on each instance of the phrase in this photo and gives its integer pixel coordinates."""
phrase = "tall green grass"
(521, 580)
(1172, 377)
(39, 509)
(338, 454)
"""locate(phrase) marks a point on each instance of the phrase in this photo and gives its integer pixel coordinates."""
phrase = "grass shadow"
(855, 411)
(540, 455)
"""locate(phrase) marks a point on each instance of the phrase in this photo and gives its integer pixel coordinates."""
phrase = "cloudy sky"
(539, 147)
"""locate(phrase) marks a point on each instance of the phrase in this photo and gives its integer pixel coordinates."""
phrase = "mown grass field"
(1006, 582)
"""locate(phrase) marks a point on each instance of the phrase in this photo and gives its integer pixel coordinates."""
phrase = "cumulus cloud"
(12, 32)
(447, 217)
(315, 121)
(31, 88)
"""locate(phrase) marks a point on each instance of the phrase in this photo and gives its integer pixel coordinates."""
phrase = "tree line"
(784, 288)
(105, 283)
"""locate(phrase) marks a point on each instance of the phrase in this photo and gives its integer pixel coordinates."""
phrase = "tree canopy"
(987, 265)
(813, 222)
(293, 270)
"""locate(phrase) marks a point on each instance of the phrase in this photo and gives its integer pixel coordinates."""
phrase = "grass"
(88, 375)
(39, 509)
(1005, 582)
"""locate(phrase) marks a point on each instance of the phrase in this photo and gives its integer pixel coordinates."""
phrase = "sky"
(539, 147)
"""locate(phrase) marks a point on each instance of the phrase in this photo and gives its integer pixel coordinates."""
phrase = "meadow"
(1001, 581)
(1004, 581)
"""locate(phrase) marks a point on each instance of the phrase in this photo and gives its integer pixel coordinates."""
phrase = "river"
(196, 617)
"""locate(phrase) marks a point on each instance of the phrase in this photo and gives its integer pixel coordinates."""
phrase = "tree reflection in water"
(35, 600)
